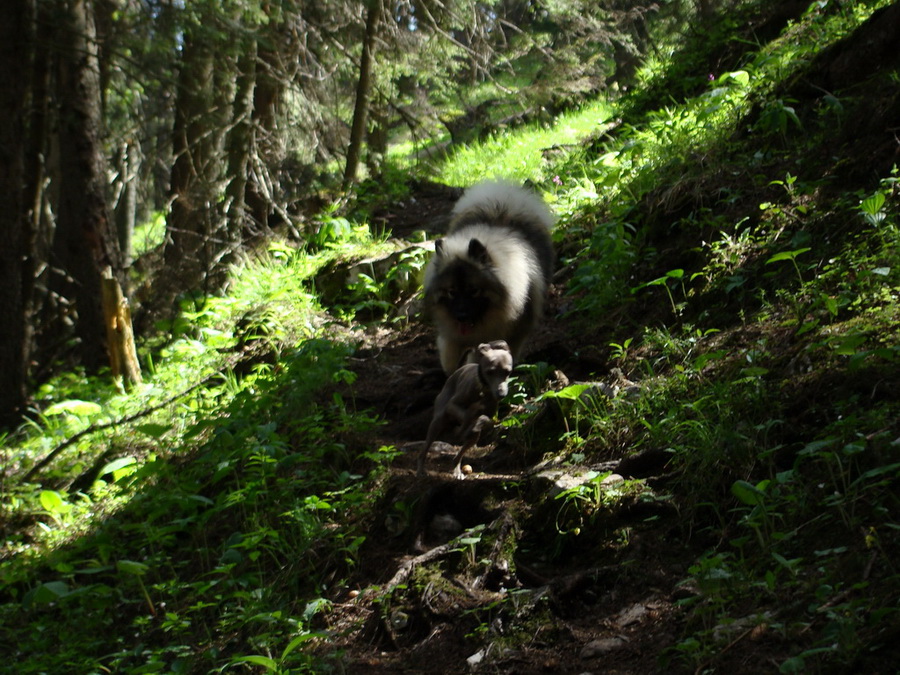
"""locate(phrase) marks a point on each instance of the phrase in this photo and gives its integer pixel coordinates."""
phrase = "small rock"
(732, 627)
(631, 615)
(596, 648)
(596, 390)
(444, 526)
(476, 658)
(685, 591)
(399, 620)
(561, 479)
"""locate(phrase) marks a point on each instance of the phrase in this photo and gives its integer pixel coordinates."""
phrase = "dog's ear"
(439, 247)
(500, 344)
(478, 252)
(485, 347)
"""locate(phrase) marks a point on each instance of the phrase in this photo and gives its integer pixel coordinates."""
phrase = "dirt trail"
(523, 598)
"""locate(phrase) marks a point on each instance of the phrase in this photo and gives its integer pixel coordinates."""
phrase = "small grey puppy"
(488, 277)
(469, 400)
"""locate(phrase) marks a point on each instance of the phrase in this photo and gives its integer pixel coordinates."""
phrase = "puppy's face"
(495, 363)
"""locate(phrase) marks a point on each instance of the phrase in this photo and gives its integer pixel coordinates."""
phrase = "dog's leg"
(469, 441)
(420, 463)
(434, 430)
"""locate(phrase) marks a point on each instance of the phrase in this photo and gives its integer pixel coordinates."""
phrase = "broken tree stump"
(119, 333)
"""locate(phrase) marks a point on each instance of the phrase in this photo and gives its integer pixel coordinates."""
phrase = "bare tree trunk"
(126, 208)
(42, 191)
(119, 335)
(85, 242)
(16, 277)
(185, 257)
(199, 243)
(363, 87)
(267, 147)
(239, 143)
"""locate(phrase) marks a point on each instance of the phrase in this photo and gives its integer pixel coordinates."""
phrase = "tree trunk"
(267, 147)
(85, 242)
(198, 243)
(184, 250)
(16, 278)
(363, 87)
(239, 143)
(126, 208)
(119, 335)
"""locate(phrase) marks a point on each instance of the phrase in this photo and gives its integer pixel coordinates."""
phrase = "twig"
(94, 428)
(702, 667)
(407, 568)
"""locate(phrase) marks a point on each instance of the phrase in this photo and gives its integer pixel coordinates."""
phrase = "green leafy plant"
(620, 351)
(676, 275)
(871, 208)
(792, 257)
(137, 570)
(778, 118)
(600, 278)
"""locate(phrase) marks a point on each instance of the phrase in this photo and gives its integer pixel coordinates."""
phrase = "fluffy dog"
(469, 400)
(488, 277)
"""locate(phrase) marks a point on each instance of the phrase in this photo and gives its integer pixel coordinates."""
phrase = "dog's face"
(495, 363)
(465, 288)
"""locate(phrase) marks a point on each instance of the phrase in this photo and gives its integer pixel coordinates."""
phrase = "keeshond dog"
(488, 277)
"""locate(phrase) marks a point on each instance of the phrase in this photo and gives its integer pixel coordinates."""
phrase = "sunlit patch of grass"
(274, 290)
(519, 155)
(108, 520)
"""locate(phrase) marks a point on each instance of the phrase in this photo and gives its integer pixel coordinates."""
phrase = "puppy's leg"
(420, 463)
(452, 416)
(423, 454)
(470, 441)
(434, 430)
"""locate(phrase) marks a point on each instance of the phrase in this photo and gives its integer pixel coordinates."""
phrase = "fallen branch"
(94, 428)
(406, 569)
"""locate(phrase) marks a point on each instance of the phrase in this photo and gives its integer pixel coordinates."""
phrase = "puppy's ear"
(478, 252)
(485, 347)
(500, 344)
(439, 247)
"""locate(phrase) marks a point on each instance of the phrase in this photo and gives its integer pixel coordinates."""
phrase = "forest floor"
(535, 601)
(520, 590)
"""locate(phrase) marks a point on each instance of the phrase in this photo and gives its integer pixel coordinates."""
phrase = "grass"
(520, 156)
(207, 440)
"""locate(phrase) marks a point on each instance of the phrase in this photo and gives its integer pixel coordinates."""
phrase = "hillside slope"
(750, 521)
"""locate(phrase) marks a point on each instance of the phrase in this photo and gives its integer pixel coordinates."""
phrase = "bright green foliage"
(204, 470)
